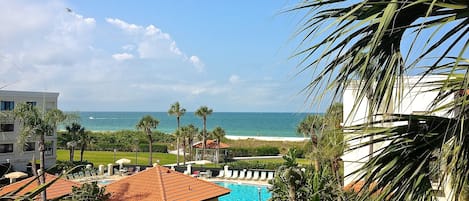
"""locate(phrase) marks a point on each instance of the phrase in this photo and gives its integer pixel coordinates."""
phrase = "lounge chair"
(263, 176)
(196, 173)
(255, 176)
(221, 173)
(248, 175)
(228, 174)
(235, 174)
(242, 174)
(270, 176)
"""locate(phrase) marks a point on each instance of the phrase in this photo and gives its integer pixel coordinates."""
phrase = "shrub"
(257, 151)
(254, 165)
(267, 151)
(239, 152)
(162, 148)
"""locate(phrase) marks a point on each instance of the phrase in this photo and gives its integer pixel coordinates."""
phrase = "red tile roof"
(162, 184)
(58, 189)
(211, 144)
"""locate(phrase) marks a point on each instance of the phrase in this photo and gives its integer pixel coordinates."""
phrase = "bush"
(240, 152)
(257, 151)
(162, 148)
(254, 165)
(267, 151)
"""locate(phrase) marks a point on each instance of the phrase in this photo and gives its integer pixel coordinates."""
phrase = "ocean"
(234, 123)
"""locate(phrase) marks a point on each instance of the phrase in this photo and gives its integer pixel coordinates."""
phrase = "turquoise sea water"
(244, 192)
(234, 123)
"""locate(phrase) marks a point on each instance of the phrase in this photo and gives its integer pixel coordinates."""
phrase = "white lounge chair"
(221, 174)
(255, 175)
(235, 174)
(263, 176)
(242, 174)
(228, 174)
(248, 175)
(270, 176)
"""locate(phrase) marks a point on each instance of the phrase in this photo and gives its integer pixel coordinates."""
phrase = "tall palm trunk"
(314, 146)
(150, 148)
(177, 143)
(72, 153)
(292, 193)
(82, 150)
(184, 151)
(42, 159)
(218, 150)
(191, 141)
(204, 138)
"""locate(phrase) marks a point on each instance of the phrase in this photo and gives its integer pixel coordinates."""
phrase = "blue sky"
(145, 55)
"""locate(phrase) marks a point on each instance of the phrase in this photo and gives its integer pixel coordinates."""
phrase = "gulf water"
(234, 123)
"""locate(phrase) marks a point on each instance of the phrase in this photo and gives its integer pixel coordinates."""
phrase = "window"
(7, 127)
(32, 103)
(49, 148)
(7, 105)
(6, 148)
(29, 146)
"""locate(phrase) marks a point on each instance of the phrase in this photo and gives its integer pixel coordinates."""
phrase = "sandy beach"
(265, 138)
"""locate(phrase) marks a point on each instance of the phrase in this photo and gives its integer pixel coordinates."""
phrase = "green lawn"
(106, 157)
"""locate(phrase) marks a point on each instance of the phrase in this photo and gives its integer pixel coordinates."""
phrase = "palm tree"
(146, 124)
(182, 133)
(366, 39)
(38, 124)
(312, 126)
(192, 132)
(74, 132)
(203, 112)
(85, 140)
(218, 133)
(176, 110)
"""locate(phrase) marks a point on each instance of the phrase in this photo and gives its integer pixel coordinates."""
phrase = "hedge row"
(256, 151)
(254, 165)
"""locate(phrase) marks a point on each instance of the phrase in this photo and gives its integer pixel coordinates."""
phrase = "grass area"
(302, 161)
(106, 157)
(282, 145)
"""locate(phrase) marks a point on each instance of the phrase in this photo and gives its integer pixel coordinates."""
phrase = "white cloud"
(122, 56)
(199, 65)
(234, 79)
(124, 25)
(153, 43)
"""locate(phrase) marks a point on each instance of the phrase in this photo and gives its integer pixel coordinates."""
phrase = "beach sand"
(264, 138)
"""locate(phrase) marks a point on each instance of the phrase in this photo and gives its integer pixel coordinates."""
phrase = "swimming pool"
(244, 192)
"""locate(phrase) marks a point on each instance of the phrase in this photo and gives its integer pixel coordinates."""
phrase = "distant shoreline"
(266, 138)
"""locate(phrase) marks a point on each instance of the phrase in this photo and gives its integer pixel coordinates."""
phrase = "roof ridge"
(160, 180)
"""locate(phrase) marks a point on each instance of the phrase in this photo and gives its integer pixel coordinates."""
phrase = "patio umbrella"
(15, 175)
(202, 162)
(122, 161)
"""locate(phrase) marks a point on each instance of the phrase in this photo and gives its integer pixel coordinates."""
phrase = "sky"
(232, 56)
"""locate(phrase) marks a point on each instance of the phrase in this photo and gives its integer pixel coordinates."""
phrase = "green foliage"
(267, 151)
(257, 164)
(253, 151)
(106, 157)
(293, 182)
(110, 140)
(162, 148)
(89, 192)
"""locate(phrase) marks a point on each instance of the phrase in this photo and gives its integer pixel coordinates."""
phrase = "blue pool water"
(244, 192)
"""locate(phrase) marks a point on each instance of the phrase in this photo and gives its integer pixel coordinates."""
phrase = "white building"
(10, 150)
(415, 99)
